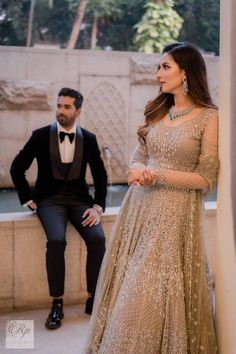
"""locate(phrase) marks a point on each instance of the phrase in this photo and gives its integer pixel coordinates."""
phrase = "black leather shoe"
(55, 316)
(89, 304)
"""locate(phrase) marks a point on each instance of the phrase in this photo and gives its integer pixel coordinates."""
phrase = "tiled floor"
(68, 339)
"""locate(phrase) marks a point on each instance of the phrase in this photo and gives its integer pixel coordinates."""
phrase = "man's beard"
(63, 121)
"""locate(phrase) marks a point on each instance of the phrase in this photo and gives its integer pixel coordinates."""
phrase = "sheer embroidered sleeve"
(139, 157)
(208, 160)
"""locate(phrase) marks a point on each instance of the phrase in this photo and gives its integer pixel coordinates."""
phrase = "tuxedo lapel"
(78, 155)
(57, 168)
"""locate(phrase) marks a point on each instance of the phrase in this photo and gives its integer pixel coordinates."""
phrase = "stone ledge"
(22, 261)
(29, 216)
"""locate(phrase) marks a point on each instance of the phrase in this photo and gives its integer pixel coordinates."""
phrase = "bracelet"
(160, 178)
(98, 208)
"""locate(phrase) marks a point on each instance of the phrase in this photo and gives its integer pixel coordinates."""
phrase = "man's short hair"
(66, 91)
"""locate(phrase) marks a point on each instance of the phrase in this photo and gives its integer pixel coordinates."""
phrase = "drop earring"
(185, 85)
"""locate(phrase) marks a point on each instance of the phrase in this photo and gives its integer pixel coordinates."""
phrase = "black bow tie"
(70, 136)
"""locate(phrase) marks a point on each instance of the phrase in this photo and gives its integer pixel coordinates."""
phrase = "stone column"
(226, 204)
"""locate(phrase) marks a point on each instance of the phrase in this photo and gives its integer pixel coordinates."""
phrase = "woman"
(153, 295)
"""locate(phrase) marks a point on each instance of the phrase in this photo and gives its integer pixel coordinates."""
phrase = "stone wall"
(116, 87)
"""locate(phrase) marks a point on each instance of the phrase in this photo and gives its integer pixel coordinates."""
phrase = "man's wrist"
(98, 208)
(27, 203)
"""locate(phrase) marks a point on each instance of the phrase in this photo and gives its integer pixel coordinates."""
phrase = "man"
(63, 150)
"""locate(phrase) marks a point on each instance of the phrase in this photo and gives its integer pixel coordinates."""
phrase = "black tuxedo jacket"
(43, 145)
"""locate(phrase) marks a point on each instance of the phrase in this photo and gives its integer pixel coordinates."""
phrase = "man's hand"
(91, 217)
(32, 206)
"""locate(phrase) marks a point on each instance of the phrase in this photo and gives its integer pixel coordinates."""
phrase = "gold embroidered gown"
(153, 295)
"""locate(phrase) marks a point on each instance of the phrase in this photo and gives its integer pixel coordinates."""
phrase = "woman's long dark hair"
(191, 61)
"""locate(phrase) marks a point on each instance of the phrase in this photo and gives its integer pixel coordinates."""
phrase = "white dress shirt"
(66, 148)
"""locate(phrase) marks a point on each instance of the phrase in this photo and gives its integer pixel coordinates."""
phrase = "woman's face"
(169, 75)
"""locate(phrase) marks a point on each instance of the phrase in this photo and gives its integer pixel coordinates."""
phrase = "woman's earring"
(185, 85)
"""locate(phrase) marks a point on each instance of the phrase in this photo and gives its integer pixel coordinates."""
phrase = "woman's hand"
(142, 177)
(148, 178)
(134, 175)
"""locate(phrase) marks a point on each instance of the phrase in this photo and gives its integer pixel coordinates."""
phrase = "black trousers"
(54, 214)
